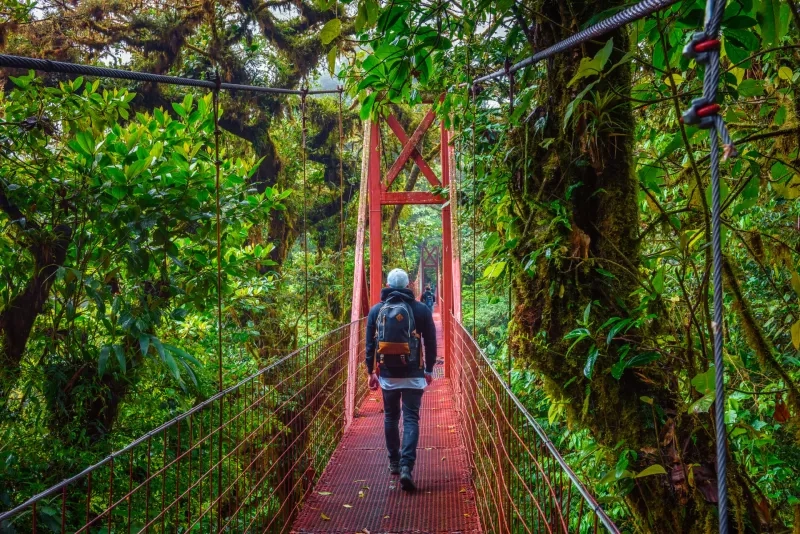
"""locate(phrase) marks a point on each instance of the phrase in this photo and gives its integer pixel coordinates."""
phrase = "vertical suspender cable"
(474, 218)
(305, 215)
(510, 75)
(217, 162)
(341, 201)
(704, 48)
(219, 233)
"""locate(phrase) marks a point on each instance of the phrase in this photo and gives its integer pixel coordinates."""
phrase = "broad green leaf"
(751, 87)
(102, 361)
(366, 106)
(769, 22)
(704, 382)
(655, 469)
(494, 270)
(331, 30)
(592, 67)
(785, 73)
(373, 10)
(179, 109)
(144, 344)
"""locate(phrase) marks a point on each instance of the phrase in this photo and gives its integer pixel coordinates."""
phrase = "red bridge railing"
(522, 483)
(242, 461)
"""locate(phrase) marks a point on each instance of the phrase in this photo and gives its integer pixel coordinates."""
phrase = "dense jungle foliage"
(583, 209)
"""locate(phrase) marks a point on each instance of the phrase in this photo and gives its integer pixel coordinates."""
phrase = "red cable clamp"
(700, 46)
(701, 113)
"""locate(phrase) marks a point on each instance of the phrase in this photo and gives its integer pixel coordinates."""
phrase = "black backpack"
(398, 341)
(429, 298)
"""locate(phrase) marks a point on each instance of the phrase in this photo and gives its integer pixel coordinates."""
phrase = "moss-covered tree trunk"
(577, 217)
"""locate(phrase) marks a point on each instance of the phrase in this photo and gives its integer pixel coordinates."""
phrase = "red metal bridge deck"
(357, 494)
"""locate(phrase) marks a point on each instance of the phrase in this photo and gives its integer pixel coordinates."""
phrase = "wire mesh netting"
(522, 483)
(242, 461)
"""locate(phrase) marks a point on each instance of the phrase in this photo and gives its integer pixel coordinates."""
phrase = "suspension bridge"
(298, 446)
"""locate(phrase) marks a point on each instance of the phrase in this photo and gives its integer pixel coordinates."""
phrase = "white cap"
(397, 279)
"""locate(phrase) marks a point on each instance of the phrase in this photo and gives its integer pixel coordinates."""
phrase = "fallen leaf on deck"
(365, 531)
(386, 517)
(463, 490)
(324, 517)
(444, 458)
(466, 515)
(361, 494)
(360, 480)
(347, 505)
(324, 493)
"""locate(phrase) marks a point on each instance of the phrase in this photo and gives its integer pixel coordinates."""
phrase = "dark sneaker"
(394, 468)
(406, 482)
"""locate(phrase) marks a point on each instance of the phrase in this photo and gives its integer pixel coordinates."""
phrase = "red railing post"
(375, 212)
(447, 253)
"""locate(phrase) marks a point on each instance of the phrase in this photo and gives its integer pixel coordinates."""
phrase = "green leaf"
(172, 365)
(796, 282)
(589, 367)
(332, 60)
(751, 87)
(658, 281)
(796, 335)
(102, 361)
(331, 30)
(182, 354)
(643, 359)
(736, 54)
(361, 18)
(704, 382)
(655, 469)
(703, 404)
(121, 358)
(179, 109)
(373, 11)
(494, 270)
(591, 67)
(618, 368)
(769, 22)
(144, 344)
(366, 106)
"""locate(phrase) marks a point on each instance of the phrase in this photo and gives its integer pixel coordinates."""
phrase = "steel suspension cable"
(704, 48)
(626, 16)
(305, 212)
(46, 65)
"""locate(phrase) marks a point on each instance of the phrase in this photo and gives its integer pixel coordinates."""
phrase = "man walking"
(428, 298)
(396, 363)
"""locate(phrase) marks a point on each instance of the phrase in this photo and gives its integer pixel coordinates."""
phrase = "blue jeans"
(412, 399)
